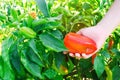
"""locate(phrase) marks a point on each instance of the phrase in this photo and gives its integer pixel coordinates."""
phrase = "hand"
(95, 33)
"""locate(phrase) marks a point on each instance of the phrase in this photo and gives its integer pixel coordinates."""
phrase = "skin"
(102, 30)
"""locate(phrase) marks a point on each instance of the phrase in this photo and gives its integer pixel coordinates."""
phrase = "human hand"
(102, 30)
(95, 33)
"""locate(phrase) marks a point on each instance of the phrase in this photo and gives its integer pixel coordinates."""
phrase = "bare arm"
(112, 18)
(103, 29)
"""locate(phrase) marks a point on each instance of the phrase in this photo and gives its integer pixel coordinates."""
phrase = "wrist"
(111, 19)
(102, 30)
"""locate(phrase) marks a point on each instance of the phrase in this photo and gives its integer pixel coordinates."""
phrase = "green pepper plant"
(31, 40)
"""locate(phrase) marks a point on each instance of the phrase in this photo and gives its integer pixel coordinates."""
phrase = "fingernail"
(77, 54)
(83, 54)
(71, 54)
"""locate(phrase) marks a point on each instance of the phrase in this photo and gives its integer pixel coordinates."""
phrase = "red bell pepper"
(77, 43)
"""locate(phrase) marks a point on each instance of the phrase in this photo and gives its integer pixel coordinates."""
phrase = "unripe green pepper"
(27, 32)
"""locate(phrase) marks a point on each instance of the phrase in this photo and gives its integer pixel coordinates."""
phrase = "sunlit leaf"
(7, 69)
(34, 57)
(2, 16)
(50, 73)
(51, 2)
(32, 44)
(15, 59)
(30, 66)
(86, 6)
(42, 5)
(57, 34)
(14, 14)
(116, 72)
(51, 42)
(49, 25)
(99, 65)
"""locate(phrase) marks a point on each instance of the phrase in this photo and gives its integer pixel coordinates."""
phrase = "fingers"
(76, 55)
(79, 56)
(86, 56)
(71, 54)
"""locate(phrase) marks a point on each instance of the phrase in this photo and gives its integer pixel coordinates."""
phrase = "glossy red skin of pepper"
(77, 43)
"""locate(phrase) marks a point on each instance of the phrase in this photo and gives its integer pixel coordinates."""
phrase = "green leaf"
(7, 69)
(8, 73)
(32, 44)
(51, 42)
(64, 11)
(70, 65)
(42, 5)
(15, 59)
(86, 6)
(14, 14)
(50, 73)
(38, 22)
(1, 67)
(49, 58)
(59, 58)
(30, 66)
(55, 18)
(85, 63)
(49, 25)
(14, 24)
(57, 34)
(105, 53)
(50, 3)
(29, 21)
(40, 48)
(33, 53)
(34, 57)
(102, 3)
(58, 77)
(20, 17)
(116, 72)
(2, 16)
(99, 65)
(116, 51)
